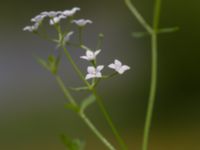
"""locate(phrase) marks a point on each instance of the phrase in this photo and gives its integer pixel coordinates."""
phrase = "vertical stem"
(109, 120)
(152, 93)
(96, 132)
(153, 86)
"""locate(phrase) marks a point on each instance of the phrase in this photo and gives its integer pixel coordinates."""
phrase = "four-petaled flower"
(117, 66)
(90, 55)
(94, 72)
(82, 22)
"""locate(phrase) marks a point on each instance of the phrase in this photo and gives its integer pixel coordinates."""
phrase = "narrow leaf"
(42, 62)
(79, 88)
(87, 102)
(72, 107)
(139, 34)
(168, 30)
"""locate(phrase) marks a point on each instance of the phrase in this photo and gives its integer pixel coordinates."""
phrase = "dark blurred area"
(32, 115)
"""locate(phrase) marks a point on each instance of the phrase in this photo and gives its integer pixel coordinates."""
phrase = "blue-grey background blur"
(32, 115)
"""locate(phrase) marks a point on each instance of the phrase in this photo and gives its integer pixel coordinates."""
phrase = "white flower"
(90, 55)
(82, 22)
(71, 12)
(31, 28)
(117, 66)
(56, 20)
(51, 13)
(38, 18)
(68, 36)
(94, 72)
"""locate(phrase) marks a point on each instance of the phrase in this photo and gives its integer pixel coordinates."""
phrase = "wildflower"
(68, 36)
(82, 22)
(90, 55)
(71, 12)
(118, 67)
(32, 28)
(51, 13)
(56, 20)
(38, 18)
(94, 72)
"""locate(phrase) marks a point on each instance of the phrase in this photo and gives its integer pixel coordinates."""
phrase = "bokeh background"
(32, 115)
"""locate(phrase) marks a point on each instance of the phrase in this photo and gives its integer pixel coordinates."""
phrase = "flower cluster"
(95, 71)
(55, 17)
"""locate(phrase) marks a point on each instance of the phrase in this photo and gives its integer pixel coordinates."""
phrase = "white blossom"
(94, 72)
(82, 22)
(68, 36)
(118, 67)
(71, 12)
(90, 55)
(56, 19)
(38, 18)
(51, 13)
(31, 28)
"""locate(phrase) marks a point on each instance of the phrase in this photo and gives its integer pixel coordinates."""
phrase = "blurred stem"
(65, 90)
(109, 121)
(153, 85)
(96, 132)
(99, 101)
(82, 115)
(138, 16)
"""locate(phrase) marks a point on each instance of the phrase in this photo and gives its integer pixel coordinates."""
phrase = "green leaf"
(87, 102)
(140, 34)
(72, 107)
(80, 88)
(72, 144)
(168, 30)
(42, 62)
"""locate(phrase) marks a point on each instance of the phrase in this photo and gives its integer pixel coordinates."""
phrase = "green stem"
(138, 16)
(96, 132)
(65, 90)
(153, 85)
(109, 121)
(82, 115)
(100, 103)
(75, 67)
(152, 93)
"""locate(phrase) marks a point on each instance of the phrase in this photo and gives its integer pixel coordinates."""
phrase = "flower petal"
(117, 62)
(97, 52)
(99, 68)
(91, 70)
(112, 66)
(89, 76)
(84, 57)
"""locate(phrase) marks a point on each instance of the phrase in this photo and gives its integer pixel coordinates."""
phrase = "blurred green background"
(32, 115)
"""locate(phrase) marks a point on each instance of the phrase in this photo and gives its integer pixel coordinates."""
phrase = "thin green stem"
(153, 85)
(82, 115)
(100, 103)
(152, 93)
(75, 67)
(65, 90)
(109, 121)
(138, 16)
(96, 132)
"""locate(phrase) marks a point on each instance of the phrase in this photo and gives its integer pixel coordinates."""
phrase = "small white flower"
(94, 72)
(31, 28)
(90, 55)
(56, 20)
(68, 36)
(117, 66)
(51, 13)
(71, 12)
(38, 18)
(82, 22)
